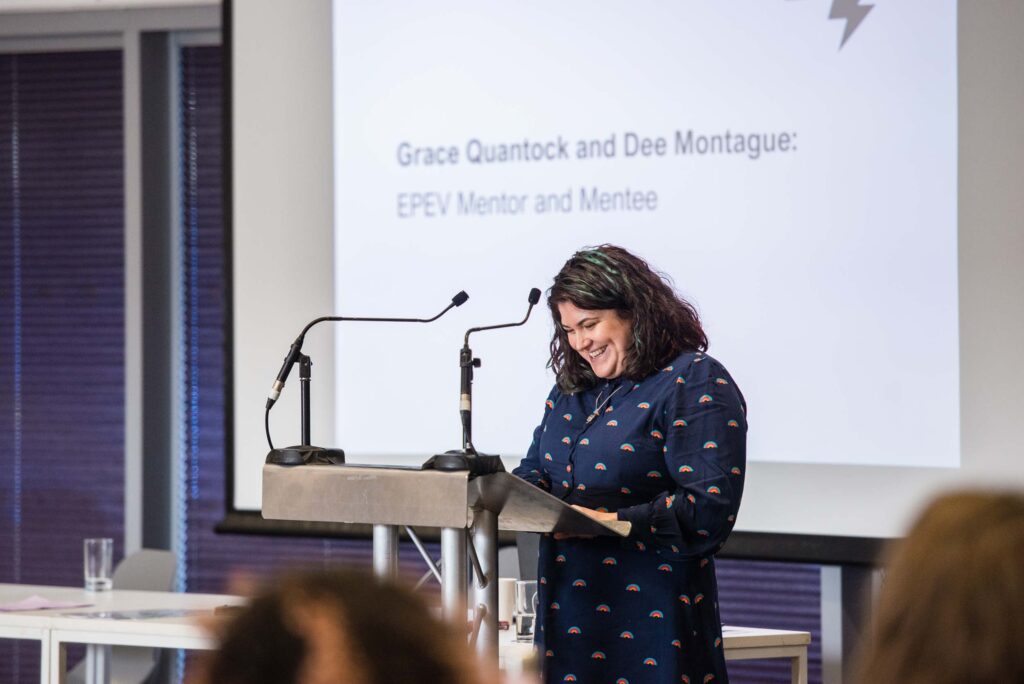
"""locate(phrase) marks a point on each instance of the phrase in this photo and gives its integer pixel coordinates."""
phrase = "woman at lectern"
(642, 426)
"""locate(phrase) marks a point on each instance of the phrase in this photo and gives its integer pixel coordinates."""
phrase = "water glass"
(98, 564)
(524, 616)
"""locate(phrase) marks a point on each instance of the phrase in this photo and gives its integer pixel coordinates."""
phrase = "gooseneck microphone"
(296, 349)
(304, 453)
(467, 458)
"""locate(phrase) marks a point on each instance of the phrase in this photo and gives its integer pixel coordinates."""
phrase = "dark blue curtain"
(61, 320)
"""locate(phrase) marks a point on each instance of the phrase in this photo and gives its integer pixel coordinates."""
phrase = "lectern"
(469, 511)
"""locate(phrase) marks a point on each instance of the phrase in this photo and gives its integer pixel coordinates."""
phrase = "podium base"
(475, 463)
(305, 454)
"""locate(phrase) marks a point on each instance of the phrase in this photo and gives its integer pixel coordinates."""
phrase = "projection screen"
(798, 176)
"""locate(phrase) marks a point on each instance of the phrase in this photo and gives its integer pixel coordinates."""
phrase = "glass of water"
(98, 564)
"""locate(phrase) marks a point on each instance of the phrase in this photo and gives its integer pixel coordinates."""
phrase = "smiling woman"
(642, 426)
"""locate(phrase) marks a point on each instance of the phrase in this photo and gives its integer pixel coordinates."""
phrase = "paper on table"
(37, 602)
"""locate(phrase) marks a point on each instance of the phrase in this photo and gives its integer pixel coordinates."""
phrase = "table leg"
(44, 658)
(57, 661)
(97, 664)
(798, 667)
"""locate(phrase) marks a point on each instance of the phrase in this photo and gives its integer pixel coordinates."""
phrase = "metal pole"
(423, 553)
(484, 593)
(304, 376)
(453, 572)
(466, 363)
(385, 551)
(97, 664)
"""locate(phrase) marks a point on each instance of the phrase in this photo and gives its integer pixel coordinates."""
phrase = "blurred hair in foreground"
(951, 608)
(337, 626)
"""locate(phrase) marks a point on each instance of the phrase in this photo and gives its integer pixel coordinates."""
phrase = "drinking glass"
(98, 562)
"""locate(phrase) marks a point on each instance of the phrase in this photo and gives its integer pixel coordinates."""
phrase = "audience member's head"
(338, 627)
(952, 605)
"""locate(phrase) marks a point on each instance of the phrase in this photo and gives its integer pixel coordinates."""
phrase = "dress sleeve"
(530, 468)
(705, 453)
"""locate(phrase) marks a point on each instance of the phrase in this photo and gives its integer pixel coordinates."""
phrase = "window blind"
(61, 320)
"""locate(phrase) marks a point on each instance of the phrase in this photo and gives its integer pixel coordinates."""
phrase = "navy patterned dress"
(668, 453)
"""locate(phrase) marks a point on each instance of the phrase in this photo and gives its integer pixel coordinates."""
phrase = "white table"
(749, 643)
(740, 643)
(55, 628)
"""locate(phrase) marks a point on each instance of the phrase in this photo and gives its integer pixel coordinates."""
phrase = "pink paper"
(37, 602)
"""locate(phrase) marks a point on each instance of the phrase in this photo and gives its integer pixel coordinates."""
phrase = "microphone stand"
(468, 458)
(304, 453)
(305, 366)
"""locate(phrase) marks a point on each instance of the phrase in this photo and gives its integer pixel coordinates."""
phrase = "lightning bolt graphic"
(853, 12)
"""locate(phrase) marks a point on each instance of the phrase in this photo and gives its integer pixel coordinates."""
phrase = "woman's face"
(600, 336)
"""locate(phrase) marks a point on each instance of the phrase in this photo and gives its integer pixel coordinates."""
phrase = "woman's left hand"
(602, 516)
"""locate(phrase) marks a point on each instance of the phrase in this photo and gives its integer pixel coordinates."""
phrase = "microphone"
(468, 458)
(304, 453)
(533, 298)
(282, 375)
(295, 351)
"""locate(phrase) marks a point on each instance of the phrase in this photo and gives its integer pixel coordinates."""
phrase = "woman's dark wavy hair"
(609, 277)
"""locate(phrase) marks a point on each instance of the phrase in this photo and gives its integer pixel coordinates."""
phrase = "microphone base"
(305, 454)
(462, 460)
